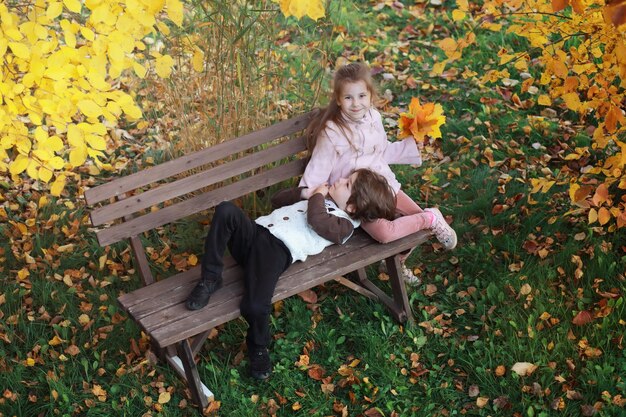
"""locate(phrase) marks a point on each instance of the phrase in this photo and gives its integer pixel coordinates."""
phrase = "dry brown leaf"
(308, 296)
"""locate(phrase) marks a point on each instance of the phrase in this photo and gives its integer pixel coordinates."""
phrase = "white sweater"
(289, 224)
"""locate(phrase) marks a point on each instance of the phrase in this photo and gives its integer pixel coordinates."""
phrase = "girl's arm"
(334, 228)
(319, 167)
(403, 152)
(399, 152)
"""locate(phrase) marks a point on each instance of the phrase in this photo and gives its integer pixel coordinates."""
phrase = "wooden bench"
(127, 207)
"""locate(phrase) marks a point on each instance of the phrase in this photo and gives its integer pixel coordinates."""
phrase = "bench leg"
(398, 305)
(398, 288)
(197, 388)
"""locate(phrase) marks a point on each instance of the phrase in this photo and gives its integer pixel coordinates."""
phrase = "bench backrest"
(128, 206)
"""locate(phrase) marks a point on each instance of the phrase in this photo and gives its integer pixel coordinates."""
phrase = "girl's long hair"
(371, 198)
(350, 73)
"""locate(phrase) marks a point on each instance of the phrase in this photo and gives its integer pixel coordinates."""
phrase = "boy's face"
(355, 100)
(341, 190)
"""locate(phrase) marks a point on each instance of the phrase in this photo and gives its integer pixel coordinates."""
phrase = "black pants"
(263, 257)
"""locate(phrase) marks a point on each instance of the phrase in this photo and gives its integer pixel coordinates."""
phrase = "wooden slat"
(204, 201)
(168, 321)
(195, 159)
(171, 190)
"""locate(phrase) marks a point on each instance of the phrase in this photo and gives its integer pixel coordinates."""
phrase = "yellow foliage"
(300, 8)
(62, 61)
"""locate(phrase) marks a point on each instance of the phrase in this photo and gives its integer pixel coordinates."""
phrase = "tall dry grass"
(243, 81)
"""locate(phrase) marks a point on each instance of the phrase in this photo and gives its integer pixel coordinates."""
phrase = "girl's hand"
(322, 189)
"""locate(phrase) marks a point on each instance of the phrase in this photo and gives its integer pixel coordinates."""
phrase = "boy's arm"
(286, 197)
(334, 228)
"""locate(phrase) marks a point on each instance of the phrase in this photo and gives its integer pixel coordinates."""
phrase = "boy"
(267, 246)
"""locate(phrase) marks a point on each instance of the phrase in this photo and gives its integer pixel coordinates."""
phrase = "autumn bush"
(80, 78)
(569, 56)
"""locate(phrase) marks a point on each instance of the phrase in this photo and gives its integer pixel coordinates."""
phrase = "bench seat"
(160, 309)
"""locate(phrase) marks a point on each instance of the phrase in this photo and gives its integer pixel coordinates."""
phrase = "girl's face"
(355, 100)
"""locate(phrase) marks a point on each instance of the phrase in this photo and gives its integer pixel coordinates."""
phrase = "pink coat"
(334, 157)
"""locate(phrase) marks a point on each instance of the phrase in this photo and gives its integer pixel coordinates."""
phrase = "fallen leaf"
(164, 397)
(582, 318)
(524, 368)
(482, 402)
(308, 296)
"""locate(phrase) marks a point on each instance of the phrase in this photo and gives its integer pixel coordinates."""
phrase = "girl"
(349, 134)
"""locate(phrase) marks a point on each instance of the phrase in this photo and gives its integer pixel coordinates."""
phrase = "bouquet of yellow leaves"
(421, 120)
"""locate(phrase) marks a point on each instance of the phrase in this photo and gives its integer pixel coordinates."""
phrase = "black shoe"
(201, 294)
(260, 363)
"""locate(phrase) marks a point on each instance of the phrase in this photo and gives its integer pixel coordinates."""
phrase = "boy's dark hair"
(372, 198)
(350, 73)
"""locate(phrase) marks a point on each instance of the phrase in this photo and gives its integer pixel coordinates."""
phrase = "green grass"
(66, 349)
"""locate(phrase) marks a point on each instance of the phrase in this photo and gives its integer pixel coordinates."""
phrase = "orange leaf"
(578, 6)
(558, 5)
(604, 215)
(316, 372)
(615, 13)
(421, 121)
(601, 195)
(582, 318)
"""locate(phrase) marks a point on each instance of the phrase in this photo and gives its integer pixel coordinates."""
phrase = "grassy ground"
(509, 296)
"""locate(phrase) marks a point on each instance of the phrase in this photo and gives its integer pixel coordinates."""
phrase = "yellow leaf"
(78, 156)
(45, 174)
(54, 10)
(89, 108)
(30, 362)
(438, 68)
(19, 50)
(139, 69)
(192, 260)
(56, 162)
(458, 15)
(593, 216)
(315, 9)
(73, 5)
(164, 397)
(58, 185)
(163, 66)
(87, 33)
(55, 341)
(175, 12)
(32, 170)
(573, 187)
(198, 60)
(544, 100)
(18, 165)
(572, 101)
(23, 273)
(96, 142)
(83, 319)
